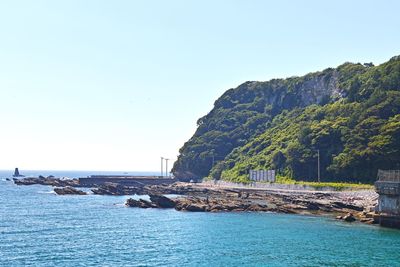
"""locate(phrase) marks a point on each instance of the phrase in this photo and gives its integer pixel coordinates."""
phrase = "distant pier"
(125, 180)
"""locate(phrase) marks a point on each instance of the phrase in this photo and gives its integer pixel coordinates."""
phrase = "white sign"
(262, 175)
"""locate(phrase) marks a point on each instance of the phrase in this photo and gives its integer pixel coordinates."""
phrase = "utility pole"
(319, 170)
(166, 167)
(162, 159)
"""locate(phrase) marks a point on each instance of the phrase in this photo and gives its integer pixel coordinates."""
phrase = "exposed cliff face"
(319, 89)
(350, 113)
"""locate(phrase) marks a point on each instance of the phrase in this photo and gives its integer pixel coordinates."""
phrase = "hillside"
(351, 114)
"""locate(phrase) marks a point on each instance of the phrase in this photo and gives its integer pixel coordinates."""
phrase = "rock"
(144, 204)
(370, 214)
(162, 201)
(354, 205)
(349, 217)
(115, 189)
(342, 205)
(47, 181)
(191, 204)
(312, 206)
(254, 207)
(367, 220)
(371, 209)
(68, 191)
(194, 207)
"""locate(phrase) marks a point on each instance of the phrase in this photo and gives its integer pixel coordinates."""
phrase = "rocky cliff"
(247, 124)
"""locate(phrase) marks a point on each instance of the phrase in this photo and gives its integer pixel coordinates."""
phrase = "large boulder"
(349, 217)
(162, 201)
(141, 203)
(68, 191)
(115, 189)
(194, 207)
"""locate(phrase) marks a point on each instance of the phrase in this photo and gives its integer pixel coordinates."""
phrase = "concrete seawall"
(389, 203)
(297, 187)
(125, 180)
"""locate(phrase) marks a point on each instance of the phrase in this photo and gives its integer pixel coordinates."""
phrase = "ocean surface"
(39, 228)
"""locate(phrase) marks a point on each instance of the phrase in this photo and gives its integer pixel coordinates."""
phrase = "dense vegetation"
(351, 114)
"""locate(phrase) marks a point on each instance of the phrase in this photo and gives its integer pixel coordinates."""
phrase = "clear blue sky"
(114, 85)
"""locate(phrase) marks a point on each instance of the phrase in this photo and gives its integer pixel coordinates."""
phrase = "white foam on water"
(47, 192)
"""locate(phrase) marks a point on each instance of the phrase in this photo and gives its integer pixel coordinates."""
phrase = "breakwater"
(94, 180)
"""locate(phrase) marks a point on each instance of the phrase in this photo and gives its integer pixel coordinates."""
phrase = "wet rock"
(162, 201)
(47, 181)
(367, 220)
(343, 205)
(200, 199)
(349, 217)
(370, 214)
(117, 190)
(312, 206)
(195, 207)
(141, 203)
(68, 191)
(255, 207)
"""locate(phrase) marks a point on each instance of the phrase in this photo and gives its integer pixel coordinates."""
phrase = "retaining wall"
(91, 181)
(271, 186)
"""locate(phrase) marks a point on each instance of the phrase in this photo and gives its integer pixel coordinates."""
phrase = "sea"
(40, 228)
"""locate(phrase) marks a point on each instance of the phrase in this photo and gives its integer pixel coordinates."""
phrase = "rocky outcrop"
(68, 191)
(144, 204)
(349, 217)
(47, 181)
(195, 198)
(118, 190)
(217, 205)
(156, 201)
(162, 201)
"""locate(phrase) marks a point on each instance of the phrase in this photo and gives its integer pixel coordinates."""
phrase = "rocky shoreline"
(50, 180)
(347, 205)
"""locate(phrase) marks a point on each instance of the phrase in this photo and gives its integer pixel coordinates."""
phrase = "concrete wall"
(389, 197)
(270, 186)
(388, 203)
(91, 181)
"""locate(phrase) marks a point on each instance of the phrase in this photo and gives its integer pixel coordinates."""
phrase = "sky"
(115, 85)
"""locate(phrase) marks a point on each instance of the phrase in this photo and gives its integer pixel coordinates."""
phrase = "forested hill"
(351, 114)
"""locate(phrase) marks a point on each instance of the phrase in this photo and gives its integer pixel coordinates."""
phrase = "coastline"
(355, 205)
(345, 205)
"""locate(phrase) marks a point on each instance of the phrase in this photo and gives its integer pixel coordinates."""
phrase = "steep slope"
(348, 113)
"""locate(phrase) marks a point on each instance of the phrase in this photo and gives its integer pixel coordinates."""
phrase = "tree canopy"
(351, 114)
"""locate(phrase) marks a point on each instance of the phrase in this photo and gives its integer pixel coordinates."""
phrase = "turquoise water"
(38, 228)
